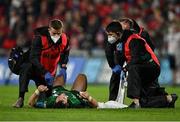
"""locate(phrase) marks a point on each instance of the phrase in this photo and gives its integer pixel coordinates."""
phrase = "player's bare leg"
(80, 83)
(59, 81)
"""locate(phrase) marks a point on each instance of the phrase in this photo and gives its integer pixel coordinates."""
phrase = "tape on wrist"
(37, 92)
(90, 98)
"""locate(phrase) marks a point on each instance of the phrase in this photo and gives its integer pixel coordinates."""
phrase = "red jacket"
(50, 55)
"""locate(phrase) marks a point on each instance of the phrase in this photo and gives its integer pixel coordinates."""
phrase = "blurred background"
(84, 22)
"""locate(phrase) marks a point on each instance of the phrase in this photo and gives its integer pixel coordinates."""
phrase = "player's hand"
(84, 94)
(42, 88)
(117, 69)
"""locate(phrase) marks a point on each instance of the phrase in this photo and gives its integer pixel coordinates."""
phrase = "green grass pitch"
(8, 95)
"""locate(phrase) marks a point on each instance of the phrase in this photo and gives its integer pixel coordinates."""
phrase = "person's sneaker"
(19, 103)
(133, 105)
(172, 103)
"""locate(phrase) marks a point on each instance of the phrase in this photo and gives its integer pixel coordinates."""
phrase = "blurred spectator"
(4, 29)
(84, 20)
(172, 44)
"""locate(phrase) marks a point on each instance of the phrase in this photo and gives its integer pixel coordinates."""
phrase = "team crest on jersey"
(119, 47)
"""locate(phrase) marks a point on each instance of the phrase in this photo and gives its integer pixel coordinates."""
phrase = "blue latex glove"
(117, 69)
(49, 79)
(63, 73)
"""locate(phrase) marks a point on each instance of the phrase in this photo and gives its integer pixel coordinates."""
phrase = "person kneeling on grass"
(77, 97)
(143, 68)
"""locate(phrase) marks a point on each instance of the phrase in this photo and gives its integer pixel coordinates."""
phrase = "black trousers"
(143, 84)
(27, 73)
(114, 86)
(154, 98)
(140, 78)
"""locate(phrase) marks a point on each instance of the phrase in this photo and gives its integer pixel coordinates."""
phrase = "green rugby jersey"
(74, 99)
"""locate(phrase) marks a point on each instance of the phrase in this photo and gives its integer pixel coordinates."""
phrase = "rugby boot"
(172, 103)
(19, 103)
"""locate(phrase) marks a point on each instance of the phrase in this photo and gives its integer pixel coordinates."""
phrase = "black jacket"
(137, 48)
(36, 49)
(144, 34)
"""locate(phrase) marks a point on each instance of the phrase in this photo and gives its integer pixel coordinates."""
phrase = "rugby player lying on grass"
(77, 97)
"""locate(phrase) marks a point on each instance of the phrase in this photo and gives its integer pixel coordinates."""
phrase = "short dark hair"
(56, 24)
(60, 105)
(114, 26)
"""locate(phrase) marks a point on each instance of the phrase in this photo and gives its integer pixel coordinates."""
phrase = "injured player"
(77, 97)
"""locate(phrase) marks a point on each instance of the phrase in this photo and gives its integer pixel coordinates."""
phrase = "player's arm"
(34, 97)
(91, 100)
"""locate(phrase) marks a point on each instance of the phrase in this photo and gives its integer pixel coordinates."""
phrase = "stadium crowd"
(85, 20)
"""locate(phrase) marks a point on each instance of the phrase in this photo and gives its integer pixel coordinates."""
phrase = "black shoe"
(172, 103)
(19, 103)
(133, 105)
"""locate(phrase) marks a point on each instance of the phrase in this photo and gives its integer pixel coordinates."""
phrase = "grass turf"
(8, 95)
